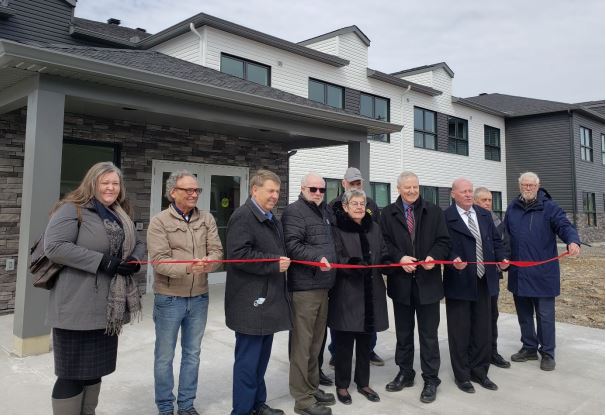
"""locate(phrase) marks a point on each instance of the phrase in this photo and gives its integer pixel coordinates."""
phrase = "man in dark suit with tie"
(468, 287)
(414, 229)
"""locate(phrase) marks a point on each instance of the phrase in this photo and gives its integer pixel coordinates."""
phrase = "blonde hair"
(88, 187)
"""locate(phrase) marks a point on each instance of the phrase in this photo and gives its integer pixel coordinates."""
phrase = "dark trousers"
(469, 334)
(494, 314)
(331, 346)
(251, 359)
(428, 319)
(344, 342)
(543, 339)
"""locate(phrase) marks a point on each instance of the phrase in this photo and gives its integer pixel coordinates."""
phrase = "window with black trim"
(425, 129)
(497, 203)
(603, 144)
(589, 208)
(375, 107)
(326, 93)
(77, 158)
(492, 143)
(430, 193)
(458, 138)
(586, 144)
(334, 188)
(246, 69)
(381, 193)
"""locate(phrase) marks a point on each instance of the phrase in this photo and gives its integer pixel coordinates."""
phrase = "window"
(77, 158)
(458, 142)
(492, 143)
(589, 207)
(429, 193)
(497, 203)
(326, 93)
(603, 144)
(245, 69)
(425, 129)
(377, 108)
(334, 188)
(381, 193)
(586, 144)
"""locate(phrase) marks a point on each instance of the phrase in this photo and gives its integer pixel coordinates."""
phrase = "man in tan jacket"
(181, 232)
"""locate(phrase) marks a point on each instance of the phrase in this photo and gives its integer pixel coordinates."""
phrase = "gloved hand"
(126, 269)
(109, 265)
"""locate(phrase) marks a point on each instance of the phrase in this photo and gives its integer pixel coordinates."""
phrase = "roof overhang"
(91, 35)
(475, 106)
(19, 62)
(390, 79)
(349, 29)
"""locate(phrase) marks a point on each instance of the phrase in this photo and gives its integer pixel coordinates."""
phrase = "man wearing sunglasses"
(308, 236)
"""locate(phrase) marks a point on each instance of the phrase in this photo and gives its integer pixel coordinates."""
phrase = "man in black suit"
(468, 287)
(415, 229)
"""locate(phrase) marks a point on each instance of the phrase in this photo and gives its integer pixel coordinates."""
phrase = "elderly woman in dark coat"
(357, 304)
(91, 233)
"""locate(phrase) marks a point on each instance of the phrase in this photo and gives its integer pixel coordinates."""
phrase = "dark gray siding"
(352, 100)
(541, 144)
(590, 175)
(444, 197)
(38, 20)
(442, 132)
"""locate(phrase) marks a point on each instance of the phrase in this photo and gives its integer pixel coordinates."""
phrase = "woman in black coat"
(357, 304)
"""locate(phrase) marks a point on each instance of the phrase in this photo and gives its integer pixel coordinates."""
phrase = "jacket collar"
(194, 215)
(345, 223)
(315, 208)
(255, 210)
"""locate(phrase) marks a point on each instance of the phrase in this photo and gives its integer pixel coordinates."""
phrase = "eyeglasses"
(357, 204)
(528, 185)
(190, 191)
(314, 189)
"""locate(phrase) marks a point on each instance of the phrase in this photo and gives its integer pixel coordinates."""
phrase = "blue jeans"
(172, 313)
(543, 338)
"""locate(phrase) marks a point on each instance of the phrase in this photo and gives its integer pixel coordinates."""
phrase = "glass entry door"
(224, 188)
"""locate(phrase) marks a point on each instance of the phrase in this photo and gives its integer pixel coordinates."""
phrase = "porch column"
(41, 180)
(358, 155)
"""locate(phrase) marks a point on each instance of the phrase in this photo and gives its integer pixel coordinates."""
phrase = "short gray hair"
(310, 175)
(529, 175)
(171, 182)
(405, 175)
(480, 190)
(352, 193)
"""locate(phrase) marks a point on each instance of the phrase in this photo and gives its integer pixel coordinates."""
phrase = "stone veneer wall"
(139, 145)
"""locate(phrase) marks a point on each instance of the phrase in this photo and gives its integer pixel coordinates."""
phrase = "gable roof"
(515, 106)
(390, 79)
(349, 29)
(108, 33)
(424, 68)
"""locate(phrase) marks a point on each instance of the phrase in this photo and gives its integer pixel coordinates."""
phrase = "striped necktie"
(476, 234)
(410, 221)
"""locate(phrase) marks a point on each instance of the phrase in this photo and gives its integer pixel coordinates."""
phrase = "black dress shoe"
(326, 399)
(499, 361)
(314, 409)
(525, 355)
(400, 382)
(370, 394)
(324, 379)
(428, 394)
(485, 382)
(344, 398)
(466, 386)
(547, 363)
(266, 410)
(376, 360)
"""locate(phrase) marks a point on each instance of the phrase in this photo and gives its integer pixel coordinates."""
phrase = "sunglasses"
(190, 191)
(314, 189)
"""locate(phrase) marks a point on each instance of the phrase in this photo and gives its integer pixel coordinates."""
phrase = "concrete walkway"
(576, 387)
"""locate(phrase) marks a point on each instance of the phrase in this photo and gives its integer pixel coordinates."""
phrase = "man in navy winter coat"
(533, 221)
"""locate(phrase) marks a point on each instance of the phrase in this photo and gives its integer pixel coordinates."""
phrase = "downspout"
(573, 173)
(200, 43)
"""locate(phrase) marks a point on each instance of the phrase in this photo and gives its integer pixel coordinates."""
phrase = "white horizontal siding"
(330, 46)
(185, 46)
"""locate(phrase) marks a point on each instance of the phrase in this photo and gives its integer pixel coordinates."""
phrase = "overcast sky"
(548, 49)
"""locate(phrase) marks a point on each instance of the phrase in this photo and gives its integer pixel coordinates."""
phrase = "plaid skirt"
(84, 355)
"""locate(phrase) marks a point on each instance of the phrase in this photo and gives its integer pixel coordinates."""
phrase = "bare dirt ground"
(582, 289)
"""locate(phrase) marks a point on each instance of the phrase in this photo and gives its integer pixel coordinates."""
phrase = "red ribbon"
(517, 263)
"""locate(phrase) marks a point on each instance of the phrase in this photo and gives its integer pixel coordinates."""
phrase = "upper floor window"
(458, 140)
(589, 207)
(429, 193)
(245, 69)
(381, 193)
(425, 129)
(334, 188)
(586, 144)
(326, 93)
(375, 107)
(492, 143)
(497, 203)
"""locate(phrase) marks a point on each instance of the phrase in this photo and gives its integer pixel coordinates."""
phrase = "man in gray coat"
(308, 236)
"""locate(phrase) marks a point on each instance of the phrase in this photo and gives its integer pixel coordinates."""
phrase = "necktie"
(410, 221)
(476, 234)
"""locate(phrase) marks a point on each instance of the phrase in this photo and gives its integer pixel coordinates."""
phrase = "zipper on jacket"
(531, 217)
